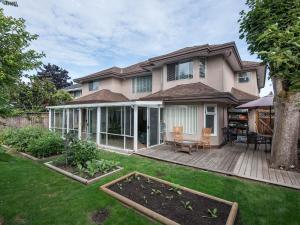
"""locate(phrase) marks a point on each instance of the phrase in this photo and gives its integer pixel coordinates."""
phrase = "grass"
(32, 194)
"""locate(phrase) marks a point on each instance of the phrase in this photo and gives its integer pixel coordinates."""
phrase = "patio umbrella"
(265, 102)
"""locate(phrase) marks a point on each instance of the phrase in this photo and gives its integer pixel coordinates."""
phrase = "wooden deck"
(231, 160)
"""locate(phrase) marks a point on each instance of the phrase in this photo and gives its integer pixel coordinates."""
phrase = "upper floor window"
(202, 70)
(77, 93)
(179, 71)
(142, 84)
(94, 85)
(244, 77)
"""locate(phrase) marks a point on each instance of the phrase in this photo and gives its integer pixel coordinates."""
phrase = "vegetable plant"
(187, 205)
(213, 213)
(175, 188)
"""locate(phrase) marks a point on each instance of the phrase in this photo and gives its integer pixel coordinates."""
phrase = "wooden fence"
(28, 119)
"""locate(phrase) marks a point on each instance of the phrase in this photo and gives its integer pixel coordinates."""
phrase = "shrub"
(47, 145)
(79, 152)
(8, 136)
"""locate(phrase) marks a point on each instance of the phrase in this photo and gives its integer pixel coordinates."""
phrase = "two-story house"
(137, 106)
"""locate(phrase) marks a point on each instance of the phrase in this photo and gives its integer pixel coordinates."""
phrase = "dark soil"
(159, 198)
(100, 216)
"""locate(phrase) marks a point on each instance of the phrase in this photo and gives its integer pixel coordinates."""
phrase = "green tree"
(15, 55)
(58, 76)
(61, 97)
(272, 31)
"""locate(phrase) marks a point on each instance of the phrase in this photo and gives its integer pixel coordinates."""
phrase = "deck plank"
(234, 160)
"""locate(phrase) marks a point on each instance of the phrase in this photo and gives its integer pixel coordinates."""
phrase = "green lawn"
(32, 194)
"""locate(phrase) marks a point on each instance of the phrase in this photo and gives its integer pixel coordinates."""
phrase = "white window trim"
(215, 118)
(205, 68)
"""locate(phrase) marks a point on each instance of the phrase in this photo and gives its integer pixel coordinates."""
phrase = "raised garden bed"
(169, 203)
(74, 174)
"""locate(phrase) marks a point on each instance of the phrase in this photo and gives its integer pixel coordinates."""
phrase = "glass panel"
(153, 138)
(103, 139)
(162, 126)
(58, 119)
(184, 70)
(129, 121)
(210, 109)
(103, 119)
(244, 77)
(142, 127)
(129, 143)
(76, 119)
(114, 120)
(210, 122)
(92, 124)
(52, 118)
(115, 141)
(71, 118)
(202, 68)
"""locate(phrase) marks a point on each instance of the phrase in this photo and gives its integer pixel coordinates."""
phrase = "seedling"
(212, 213)
(137, 177)
(155, 191)
(128, 179)
(187, 205)
(149, 181)
(145, 200)
(176, 189)
(170, 197)
(120, 186)
(142, 186)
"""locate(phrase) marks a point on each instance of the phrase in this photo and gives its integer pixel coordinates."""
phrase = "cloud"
(89, 35)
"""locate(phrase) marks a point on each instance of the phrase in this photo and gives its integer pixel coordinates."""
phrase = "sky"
(86, 36)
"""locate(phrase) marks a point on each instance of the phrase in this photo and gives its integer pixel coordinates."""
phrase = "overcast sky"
(86, 36)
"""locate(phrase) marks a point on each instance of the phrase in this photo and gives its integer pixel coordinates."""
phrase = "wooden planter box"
(156, 216)
(78, 178)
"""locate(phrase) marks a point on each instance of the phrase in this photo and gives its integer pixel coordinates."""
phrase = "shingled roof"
(192, 92)
(205, 50)
(100, 97)
(242, 96)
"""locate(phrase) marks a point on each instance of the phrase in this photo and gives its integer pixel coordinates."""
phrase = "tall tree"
(15, 56)
(58, 76)
(272, 31)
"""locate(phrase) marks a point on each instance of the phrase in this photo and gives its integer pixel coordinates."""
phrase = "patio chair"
(177, 136)
(252, 139)
(205, 139)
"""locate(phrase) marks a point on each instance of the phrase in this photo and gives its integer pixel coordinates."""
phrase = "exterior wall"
(215, 140)
(111, 84)
(249, 87)
(214, 72)
(228, 77)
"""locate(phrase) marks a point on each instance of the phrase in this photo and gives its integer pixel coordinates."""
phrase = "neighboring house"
(75, 90)
(138, 106)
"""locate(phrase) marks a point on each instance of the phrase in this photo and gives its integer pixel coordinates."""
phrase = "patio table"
(186, 146)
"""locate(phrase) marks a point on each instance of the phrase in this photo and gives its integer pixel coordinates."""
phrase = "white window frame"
(248, 74)
(205, 67)
(215, 117)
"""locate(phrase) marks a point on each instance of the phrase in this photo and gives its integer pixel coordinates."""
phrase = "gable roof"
(99, 97)
(228, 50)
(242, 96)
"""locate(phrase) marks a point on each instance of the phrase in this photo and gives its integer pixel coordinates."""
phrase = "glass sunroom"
(126, 126)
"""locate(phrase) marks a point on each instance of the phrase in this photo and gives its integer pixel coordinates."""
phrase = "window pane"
(244, 77)
(70, 118)
(103, 119)
(114, 120)
(142, 84)
(129, 143)
(184, 70)
(129, 121)
(210, 122)
(202, 68)
(210, 109)
(115, 141)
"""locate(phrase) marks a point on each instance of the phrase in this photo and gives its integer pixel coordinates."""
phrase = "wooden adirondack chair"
(177, 136)
(205, 139)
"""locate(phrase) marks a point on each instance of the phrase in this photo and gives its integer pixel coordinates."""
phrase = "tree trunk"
(286, 127)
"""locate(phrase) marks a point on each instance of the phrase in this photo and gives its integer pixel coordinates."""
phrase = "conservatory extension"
(125, 126)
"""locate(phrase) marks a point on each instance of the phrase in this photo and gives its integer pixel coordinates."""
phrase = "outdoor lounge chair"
(205, 139)
(177, 136)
